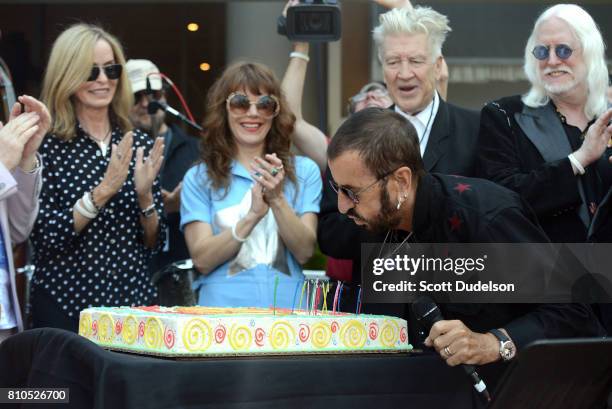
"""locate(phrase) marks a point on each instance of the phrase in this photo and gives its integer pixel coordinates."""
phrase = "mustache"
(566, 70)
(352, 213)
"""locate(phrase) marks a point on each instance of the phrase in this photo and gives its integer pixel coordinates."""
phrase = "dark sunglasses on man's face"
(239, 104)
(155, 95)
(542, 52)
(354, 196)
(112, 72)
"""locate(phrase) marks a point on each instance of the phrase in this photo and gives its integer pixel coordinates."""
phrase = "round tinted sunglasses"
(239, 104)
(112, 72)
(542, 52)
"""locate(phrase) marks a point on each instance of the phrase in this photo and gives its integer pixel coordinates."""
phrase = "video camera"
(312, 21)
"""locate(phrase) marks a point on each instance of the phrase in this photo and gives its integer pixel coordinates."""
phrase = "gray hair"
(593, 50)
(418, 20)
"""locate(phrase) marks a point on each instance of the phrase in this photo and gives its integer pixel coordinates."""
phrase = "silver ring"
(447, 351)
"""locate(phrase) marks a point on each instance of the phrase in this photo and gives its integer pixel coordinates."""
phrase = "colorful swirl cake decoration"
(259, 336)
(334, 326)
(281, 335)
(321, 335)
(118, 327)
(389, 333)
(240, 338)
(141, 328)
(403, 335)
(154, 333)
(304, 332)
(219, 334)
(197, 335)
(130, 330)
(85, 325)
(105, 328)
(373, 331)
(169, 338)
(353, 334)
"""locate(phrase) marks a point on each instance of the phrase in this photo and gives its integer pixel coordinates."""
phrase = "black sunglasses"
(239, 104)
(354, 196)
(112, 72)
(542, 52)
(155, 95)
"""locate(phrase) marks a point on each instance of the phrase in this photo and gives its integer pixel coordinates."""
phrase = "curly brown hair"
(218, 145)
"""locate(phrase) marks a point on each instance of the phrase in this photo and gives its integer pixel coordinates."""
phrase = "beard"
(556, 89)
(388, 218)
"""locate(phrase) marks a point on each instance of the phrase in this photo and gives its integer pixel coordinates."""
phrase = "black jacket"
(525, 149)
(182, 153)
(451, 149)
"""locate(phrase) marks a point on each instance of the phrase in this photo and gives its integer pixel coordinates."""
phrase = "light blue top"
(248, 279)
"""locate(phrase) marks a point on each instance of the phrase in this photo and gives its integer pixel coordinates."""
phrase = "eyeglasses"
(239, 104)
(155, 95)
(375, 93)
(542, 52)
(112, 71)
(354, 196)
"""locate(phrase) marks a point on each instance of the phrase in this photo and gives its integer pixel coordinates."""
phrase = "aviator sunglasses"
(542, 52)
(239, 104)
(112, 71)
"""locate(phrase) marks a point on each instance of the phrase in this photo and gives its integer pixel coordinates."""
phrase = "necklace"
(101, 142)
(399, 246)
(433, 108)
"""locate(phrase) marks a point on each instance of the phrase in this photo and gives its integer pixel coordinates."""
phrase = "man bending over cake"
(378, 173)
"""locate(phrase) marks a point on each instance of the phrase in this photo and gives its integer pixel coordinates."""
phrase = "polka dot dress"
(106, 264)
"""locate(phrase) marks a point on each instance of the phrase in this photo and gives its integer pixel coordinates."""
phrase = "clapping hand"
(596, 140)
(119, 164)
(147, 169)
(269, 173)
(15, 135)
(32, 105)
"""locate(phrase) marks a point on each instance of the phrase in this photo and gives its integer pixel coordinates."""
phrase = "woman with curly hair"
(249, 210)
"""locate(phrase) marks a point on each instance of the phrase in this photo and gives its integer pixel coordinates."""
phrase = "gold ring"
(447, 351)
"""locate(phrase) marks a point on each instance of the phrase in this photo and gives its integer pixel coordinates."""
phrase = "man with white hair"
(550, 144)
(409, 42)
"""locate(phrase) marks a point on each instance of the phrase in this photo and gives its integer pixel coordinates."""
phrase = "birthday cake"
(205, 331)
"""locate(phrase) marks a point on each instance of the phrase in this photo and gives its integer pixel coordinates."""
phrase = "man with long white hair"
(550, 144)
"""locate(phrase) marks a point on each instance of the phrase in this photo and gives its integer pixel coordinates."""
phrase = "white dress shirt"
(423, 121)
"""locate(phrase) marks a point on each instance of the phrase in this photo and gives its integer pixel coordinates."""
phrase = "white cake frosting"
(203, 331)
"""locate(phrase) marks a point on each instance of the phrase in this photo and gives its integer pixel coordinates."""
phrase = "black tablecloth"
(102, 379)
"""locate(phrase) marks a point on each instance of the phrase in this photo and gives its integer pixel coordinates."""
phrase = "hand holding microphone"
(456, 343)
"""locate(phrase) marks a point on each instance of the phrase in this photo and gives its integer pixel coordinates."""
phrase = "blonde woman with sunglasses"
(249, 210)
(100, 206)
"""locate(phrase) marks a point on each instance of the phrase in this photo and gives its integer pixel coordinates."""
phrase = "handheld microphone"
(154, 106)
(428, 313)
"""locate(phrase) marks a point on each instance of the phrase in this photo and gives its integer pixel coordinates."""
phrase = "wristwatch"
(148, 212)
(507, 349)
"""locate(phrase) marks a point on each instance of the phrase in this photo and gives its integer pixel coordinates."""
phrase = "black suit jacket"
(182, 153)
(451, 149)
(525, 149)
